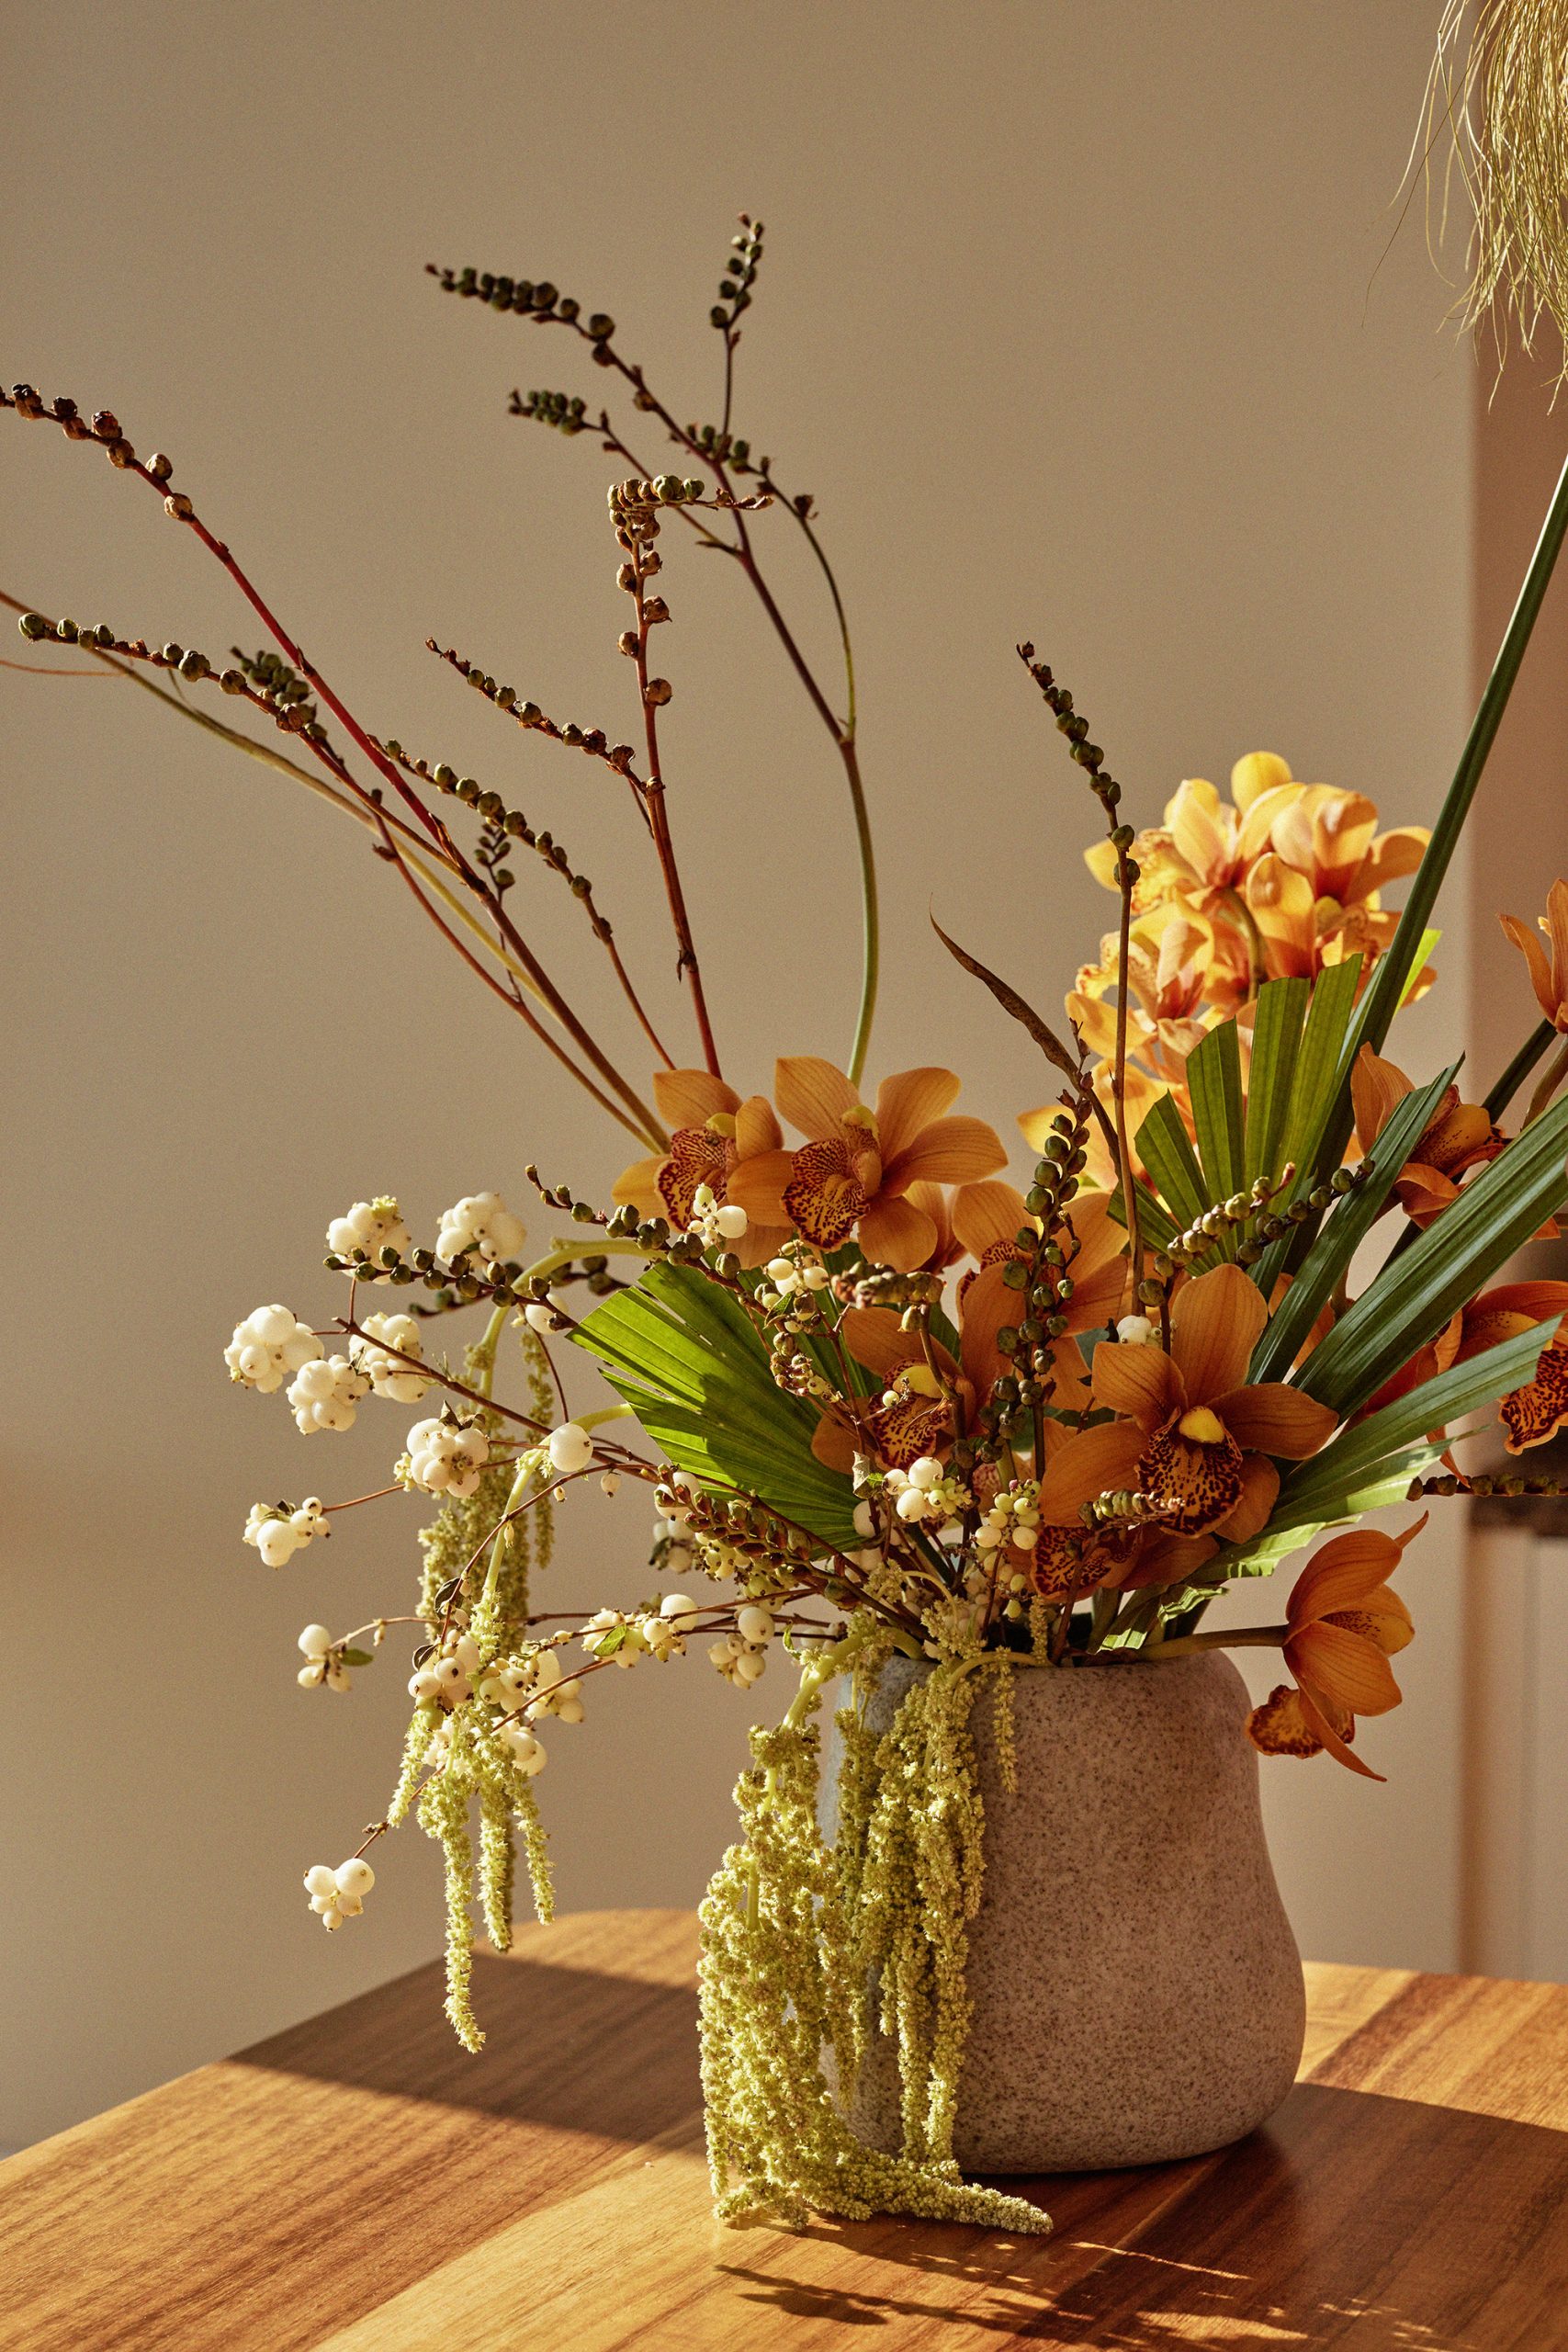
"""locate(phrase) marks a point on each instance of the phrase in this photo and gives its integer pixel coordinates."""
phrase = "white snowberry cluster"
(924, 1495)
(1014, 1518)
(325, 1392)
(336, 1895)
(388, 1375)
(279, 1530)
(369, 1227)
(525, 1689)
(716, 1222)
(483, 1226)
(611, 1636)
(445, 1455)
(674, 1530)
(741, 1656)
(553, 1694)
(323, 1661)
(664, 1629)
(267, 1346)
(450, 1675)
(1135, 1331)
(571, 1449)
(787, 1277)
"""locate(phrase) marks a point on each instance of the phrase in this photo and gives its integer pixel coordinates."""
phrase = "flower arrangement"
(881, 1399)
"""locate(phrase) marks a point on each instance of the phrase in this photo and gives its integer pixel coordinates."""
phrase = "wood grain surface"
(359, 2183)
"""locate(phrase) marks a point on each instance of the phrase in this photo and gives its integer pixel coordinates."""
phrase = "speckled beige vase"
(1136, 1990)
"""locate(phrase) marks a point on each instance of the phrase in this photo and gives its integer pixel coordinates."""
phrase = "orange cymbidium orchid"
(856, 1171)
(1345, 1622)
(1189, 1426)
(989, 1219)
(1548, 975)
(712, 1133)
(925, 1394)
(1457, 1137)
(1529, 1414)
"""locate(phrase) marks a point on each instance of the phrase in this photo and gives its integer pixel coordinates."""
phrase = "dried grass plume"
(1498, 95)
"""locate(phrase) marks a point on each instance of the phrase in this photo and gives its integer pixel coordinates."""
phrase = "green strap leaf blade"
(1214, 1083)
(1411, 1297)
(1380, 1450)
(1163, 1148)
(1343, 1233)
(1316, 1090)
(1276, 1043)
(683, 1353)
(1313, 1093)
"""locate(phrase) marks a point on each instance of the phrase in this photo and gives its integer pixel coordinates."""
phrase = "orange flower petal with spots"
(697, 1157)
(1063, 1564)
(1537, 1411)
(1204, 1476)
(824, 1197)
(1280, 1728)
(913, 1425)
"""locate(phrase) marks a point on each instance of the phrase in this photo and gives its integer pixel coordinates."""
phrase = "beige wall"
(1079, 323)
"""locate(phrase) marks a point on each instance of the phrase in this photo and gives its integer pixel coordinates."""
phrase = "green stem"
(1556, 1071)
(1519, 1070)
(871, 924)
(520, 1486)
(566, 1253)
(845, 736)
(604, 1413)
(1240, 1637)
(488, 1346)
(1382, 996)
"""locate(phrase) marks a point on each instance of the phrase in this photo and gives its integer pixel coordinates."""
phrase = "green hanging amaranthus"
(795, 1934)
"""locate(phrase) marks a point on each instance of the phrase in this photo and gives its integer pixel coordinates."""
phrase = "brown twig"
(157, 473)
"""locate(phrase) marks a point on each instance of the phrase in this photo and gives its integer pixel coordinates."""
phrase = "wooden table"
(360, 2183)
